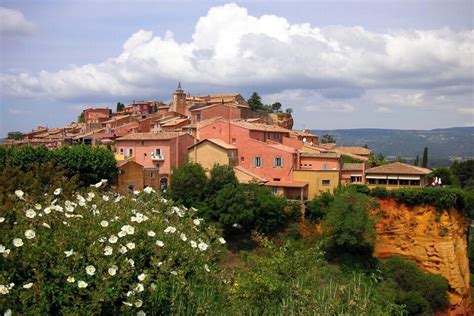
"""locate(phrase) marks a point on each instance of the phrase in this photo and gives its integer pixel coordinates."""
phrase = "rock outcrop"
(284, 120)
(436, 241)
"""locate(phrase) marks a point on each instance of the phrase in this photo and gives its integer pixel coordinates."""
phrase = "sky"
(337, 64)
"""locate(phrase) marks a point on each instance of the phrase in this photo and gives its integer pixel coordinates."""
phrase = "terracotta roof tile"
(260, 127)
(360, 151)
(218, 142)
(398, 168)
(151, 136)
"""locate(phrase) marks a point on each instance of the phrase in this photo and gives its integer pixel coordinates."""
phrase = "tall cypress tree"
(417, 161)
(424, 162)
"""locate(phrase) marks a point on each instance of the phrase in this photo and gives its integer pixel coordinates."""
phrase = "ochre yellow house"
(210, 152)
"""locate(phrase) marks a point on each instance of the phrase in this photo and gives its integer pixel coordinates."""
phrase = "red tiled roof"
(260, 127)
(217, 142)
(249, 173)
(204, 122)
(398, 168)
(286, 184)
(151, 136)
(360, 151)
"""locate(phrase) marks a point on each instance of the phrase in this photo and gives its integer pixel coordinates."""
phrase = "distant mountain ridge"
(444, 144)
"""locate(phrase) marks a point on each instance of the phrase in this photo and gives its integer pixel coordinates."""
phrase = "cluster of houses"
(151, 138)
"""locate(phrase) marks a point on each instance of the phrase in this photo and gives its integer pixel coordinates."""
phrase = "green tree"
(348, 225)
(15, 135)
(417, 161)
(255, 102)
(464, 172)
(120, 107)
(445, 174)
(424, 161)
(289, 110)
(319, 206)
(188, 184)
(276, 107)
(220, 175)
(80, 118)
(327, 139)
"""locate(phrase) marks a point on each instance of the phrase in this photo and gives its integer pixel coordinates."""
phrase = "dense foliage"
(222, 199)
(89, 164)
(421, 292)
(15, 135)
(464, 172)
(93, 253)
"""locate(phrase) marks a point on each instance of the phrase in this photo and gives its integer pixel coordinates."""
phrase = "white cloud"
(469, 111)
(19, 112)
(383, 109)
(230, 48)
(13, 22)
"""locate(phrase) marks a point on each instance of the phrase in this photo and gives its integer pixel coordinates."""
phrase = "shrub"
(319, 206)
(432, 288)
(348, 225)
(188, 184)
(414, 303)
(94, 253)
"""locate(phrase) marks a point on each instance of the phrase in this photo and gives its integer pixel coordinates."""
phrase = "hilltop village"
(151, 138)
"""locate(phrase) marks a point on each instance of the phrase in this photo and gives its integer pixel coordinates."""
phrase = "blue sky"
(338, 64)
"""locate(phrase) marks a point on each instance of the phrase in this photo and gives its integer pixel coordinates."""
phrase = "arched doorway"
(163, 184)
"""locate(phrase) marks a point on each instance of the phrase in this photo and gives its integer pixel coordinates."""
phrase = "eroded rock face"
(284, 120)
(437, 242)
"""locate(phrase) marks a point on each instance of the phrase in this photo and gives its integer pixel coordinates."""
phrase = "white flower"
(139, 288)
(122, 234)
(105, 198)
(136, 192)
(108, 250)
(19, 194)
(131, 262)
(90, 270)
(183, 237)
(57, 191)
(28, 285)
(17, 242)
(3, 289)
(141, 313)
(174, 273)
(123, 249)
(6, 253)
(131, 245)
(139, 303)
(193, 244)
(30, 213)
(2, 219)
(202, 246)
(81, 200)
(30, 234)
(151, 233)
(196, 221)
(127, 303)
(69, 253)
(113, 239)
(2, 248)
(8, 312)
(130, 230)
(170, 229)
(90, 196)
(38, 206)
(221, 240)
(159, 243)
(104, 223)
(163, 200)
(112, 271)
(148, 190)
(46, 225)
(206, 267)
(47, 210)
(81, 284)
(118, 199)
(142, 277)
(71, 279)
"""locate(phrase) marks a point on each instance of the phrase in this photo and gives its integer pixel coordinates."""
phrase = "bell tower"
(179, 100)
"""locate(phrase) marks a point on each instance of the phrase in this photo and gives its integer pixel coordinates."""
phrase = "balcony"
(157, 157)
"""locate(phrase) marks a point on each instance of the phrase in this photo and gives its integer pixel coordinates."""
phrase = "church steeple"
(179, 86)
(179, 100)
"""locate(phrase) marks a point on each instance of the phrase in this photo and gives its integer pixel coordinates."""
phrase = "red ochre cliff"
(436, 241)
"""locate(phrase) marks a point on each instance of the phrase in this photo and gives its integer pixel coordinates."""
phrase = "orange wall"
(316, 163)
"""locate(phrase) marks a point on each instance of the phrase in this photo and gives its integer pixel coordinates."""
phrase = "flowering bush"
(96, 252)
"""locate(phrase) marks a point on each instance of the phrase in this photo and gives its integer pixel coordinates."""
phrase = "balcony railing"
(157, 157)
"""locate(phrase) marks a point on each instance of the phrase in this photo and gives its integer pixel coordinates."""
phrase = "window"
(356, 179)
(157, 152)
(392, 181)
(144, 154)
(382, 181)
(121, 151)
(152, 175)
(278, 162)
(234, 141)
(326, 182)
(143, 142)
(276, 179)
(198, 117)
(274, 190)
(415, 182)
(278, 136)
(404, 182)
(131, 187)
(257, 162)
(372, 181)
(190, 131)
(242, 159)
(130, 152)
(325, 166)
